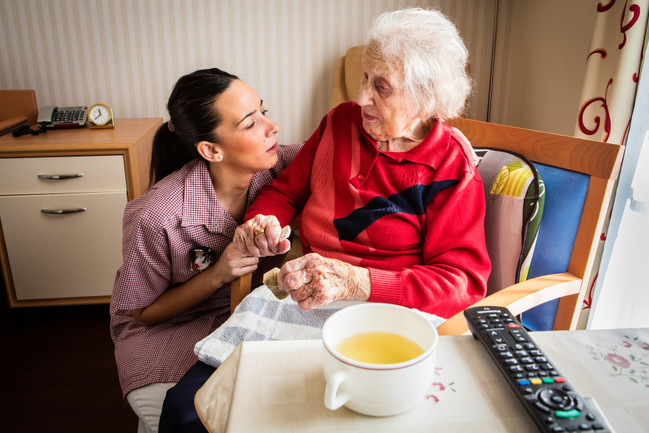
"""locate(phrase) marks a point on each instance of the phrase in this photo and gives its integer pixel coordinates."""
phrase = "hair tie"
(170, 126)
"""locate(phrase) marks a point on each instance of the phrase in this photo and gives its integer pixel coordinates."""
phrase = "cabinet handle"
(63, 211)
(59, 176)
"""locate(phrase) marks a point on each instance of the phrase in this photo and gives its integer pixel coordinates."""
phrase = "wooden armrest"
(519, 298)
(239, 288)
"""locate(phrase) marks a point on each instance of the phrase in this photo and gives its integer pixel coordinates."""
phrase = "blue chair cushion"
(565, 194)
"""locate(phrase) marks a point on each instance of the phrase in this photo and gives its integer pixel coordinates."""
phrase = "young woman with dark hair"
(173, 288)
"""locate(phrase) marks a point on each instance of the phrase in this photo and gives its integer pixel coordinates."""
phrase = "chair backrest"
(347, 76)
(517, 220)
(571, 168)
(579, 177)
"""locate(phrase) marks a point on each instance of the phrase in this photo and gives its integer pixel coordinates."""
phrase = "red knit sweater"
(415, 219)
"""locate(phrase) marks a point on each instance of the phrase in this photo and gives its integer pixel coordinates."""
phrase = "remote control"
(546, 394)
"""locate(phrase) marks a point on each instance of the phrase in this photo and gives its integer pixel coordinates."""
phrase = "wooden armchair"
(599, 162)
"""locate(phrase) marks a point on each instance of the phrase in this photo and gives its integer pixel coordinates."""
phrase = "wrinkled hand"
(262, 236)
(232, 264)
(313, 281)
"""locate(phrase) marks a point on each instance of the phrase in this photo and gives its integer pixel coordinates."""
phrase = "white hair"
(426, 48)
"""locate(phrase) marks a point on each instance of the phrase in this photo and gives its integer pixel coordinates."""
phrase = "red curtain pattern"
(608, 94)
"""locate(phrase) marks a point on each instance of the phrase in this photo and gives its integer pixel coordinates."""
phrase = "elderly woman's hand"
(262, 236)
(313, 281)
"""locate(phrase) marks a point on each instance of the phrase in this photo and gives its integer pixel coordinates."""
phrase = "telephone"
(63, 117)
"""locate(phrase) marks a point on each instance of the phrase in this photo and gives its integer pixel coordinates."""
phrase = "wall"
(129, 53)
(540, 62)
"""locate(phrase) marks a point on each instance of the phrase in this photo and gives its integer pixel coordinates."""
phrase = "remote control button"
(524, 382)
(542, 407)
(518, 335)
(496, 337)
(572, 413)
(579, 404)
(556, 399)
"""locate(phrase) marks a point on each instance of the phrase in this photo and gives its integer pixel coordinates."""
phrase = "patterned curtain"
(608, 95)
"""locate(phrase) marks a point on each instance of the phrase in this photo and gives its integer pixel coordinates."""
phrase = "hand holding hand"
(233, 263)
(313, 281)
(262, 236)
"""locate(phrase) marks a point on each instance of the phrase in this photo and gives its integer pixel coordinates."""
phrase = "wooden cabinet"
(62, 198)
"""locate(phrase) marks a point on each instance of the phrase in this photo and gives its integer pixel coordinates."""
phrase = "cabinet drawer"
(63, 255)
(70, 174)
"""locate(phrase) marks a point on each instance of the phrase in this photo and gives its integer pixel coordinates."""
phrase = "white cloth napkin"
(261, 316)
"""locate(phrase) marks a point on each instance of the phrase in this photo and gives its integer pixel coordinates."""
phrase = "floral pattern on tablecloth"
(628, 358)
(438, 387)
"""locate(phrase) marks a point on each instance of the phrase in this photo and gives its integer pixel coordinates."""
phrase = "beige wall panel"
(129, 53)
(540, 64)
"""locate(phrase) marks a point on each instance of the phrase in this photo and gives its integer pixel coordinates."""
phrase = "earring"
(220, 157)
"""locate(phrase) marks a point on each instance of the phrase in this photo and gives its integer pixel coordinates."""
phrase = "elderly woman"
(392, 208)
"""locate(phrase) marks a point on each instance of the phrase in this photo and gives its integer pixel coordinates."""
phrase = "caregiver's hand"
(313, 281)
(232, 263)
(262, 236)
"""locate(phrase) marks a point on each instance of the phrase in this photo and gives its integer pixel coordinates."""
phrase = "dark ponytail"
(192, 118)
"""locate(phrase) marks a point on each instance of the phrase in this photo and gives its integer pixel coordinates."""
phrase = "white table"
(277, 386)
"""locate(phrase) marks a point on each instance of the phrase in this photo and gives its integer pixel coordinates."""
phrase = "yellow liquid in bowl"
(379, 348)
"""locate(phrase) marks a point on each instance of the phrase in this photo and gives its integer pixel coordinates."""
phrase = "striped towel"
(261, 316)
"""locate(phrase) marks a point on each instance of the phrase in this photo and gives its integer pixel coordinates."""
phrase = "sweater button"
(360, 177)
